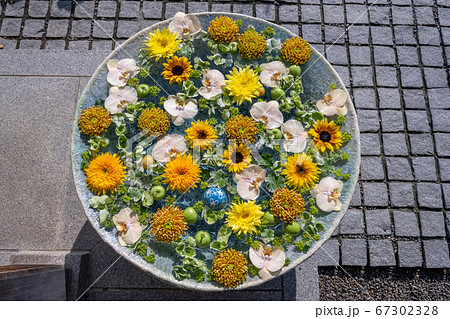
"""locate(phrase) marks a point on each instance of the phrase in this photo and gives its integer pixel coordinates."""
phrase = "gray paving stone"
(440, 118)
(447, 222)
(358, 34)
(446, 36)
(33, 28)
(78, 45)
(444, 169)
(417, 121)
(152, 9)
(399, 169)
(81, 28)
(375, 194)
(384, 55)
(424, 168)
(328, 254)
(411, 77)
(310, 13)
(343, 73)
(381, 253)
(432, 224)
(354, 252)
(371, 168)
(414, 99)
(37, 9)
(352, 223)
(173, 8)
(395, 144)
(444, 16)
(294, 29)
(333, 14)
(429, 195)
(11, 27)
(389, 98)
(84, 9)
(438, 98)
(129, 9)
(356, 14)
(381, 35)
(404, 34)
(368, 121)
(360, 55)
(402, 15)
(401, 194)
(288, 13)
(55, 44)
(126, 29)
(302, 283)
(15, 9)
(30, 44)
(356, 199)
(221, 7)
(407, 55)
(362, 76)
(107, 9)
(364, 98)
(370, 144)
(392, 121)
(386, 76)
(334, 34)
(378, 222)
(312, 33)
(436, 78)
(406, 224)
(4, 258)
(103, 29)
(409, 254)
(147, 23)
(446, 190)
(428, 35)
(194, 7)
(442, 144)
(57, 28)
(8, 44)
(424, 15)
(436, 253)
(379, 15)
(421, 144)
(102, 45)
(61, 9)
(337, 54)
(265, 11)
(243, 9)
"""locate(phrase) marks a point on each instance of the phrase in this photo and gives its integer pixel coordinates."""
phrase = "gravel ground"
(356, 283)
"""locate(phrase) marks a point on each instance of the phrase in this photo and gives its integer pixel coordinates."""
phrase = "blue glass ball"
(215, 198)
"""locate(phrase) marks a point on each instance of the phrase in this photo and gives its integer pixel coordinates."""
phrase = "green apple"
(270, 219)
(233, 47)
(158, 192)
(143, 91)
(276, 93)
(190, 215)
(202, 239)
(292, 229)
(276, 133)
(294, 70)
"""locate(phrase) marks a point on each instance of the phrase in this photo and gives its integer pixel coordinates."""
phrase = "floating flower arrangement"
(230, 169)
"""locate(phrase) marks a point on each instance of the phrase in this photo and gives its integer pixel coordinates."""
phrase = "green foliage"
(133, 82)
(340, 120)
(199, 206)
(253, 271)
(154, 90)
(346, 137)
(162, 100)
(268, 32)
(170, 200)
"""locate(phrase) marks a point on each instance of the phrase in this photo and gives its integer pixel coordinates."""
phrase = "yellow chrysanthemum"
(241, 128)
(104, 173)
(94, 120)
(236, 158)
(251, 44)
(201, 134)
(154, 121)
(181, 173)
(229, 268)
(168, 224)
(177, 70)
(300, 171)
(326, 135)
(243, 84)
(287, 204)
(296, 50)
(162, 44)
(223, 29)
(243, 217)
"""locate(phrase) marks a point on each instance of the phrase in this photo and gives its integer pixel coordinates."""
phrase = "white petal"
(112, 64)
(190, 110)
(325, 109)
(342, 110)
(324, 204)
(293, 127)
(114, 90)
(177, 120)
(277, 261)
(245, 190)
(130, 94)
(315, 191)
(339, 97)
(257, 171)
(266, 79)
(216, 77)
(255, 256)
(131, 236)
(113, 78)
(329, 183)
(111, 104)
(264, 274)
(295, 145)
(170, 105)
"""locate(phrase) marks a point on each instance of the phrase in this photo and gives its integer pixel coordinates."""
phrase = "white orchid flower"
(327, 194)
(269, 260)
(127, 223)
(295, 136)
(120, 71)
(333, 103)
(272, 73)
(180, 109)
(118, 99)
(184, 24)
(168, 147)
(249, 181)
(213, 83)
(268, 113)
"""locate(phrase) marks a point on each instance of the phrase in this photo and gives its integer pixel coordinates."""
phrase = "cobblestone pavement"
(393, 56)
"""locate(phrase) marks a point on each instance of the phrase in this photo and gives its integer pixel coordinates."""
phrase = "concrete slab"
(302, 283)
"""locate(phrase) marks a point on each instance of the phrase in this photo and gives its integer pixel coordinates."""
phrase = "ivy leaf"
(98, 202)
(319, 227)
(223, 234)
(102, 217)
(122, 143)
(267, 235)
(274, 181)
(266, 160)
(180, 272)
(218, 178)
(218, 245)
(147, 199)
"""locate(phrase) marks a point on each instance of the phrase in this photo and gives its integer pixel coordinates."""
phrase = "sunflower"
(244, 217)
(229, 268)
(236, 158)
(326, 135)
(181, 173)
(243, 85)
(177, 70)
(201, 134)
(162, 44)
(300, 171)
(104, 173)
